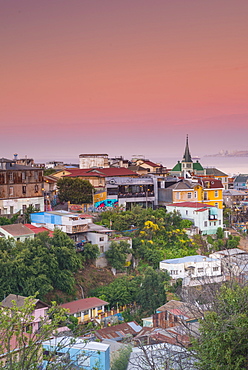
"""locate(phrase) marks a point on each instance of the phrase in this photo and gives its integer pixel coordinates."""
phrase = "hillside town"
(114, 263)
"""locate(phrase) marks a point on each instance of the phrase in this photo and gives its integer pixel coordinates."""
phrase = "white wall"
(18, 203)
(178, 270)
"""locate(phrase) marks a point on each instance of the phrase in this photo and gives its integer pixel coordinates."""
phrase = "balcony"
(136, 195)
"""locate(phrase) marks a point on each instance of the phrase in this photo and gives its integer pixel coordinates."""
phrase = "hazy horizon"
(123, 77)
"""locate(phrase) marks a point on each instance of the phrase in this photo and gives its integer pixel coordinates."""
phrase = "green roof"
(177, 167)
(197, 166)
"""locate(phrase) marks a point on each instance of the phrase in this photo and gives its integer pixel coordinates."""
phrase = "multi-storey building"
(204, 190)
(93, 160)
(20, 187)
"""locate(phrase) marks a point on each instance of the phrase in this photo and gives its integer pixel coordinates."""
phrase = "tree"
(42, 264)
(223, 340)
(9, 221)
(152, 292)
(90, 252)
(220, 233)
(117, 254)
(75, 190)
(120, 361)
(20, 348)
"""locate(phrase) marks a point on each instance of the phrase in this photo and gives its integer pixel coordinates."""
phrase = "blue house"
(77, 352)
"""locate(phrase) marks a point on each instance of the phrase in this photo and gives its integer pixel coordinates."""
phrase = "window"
(216, 205)
(101, 239)
(36, 188)
(205, 195)
(186, 213)
(24, 207)
(205, 224)
(195, 194)
(216, 193)
(11, 177)
(177, 195)
(189, 195)
(23, 175)
(200, 269)
(214, 223)
(215, 268)
(37, 207)
(219, 222)
(101, 248)
(174, 272)
(11, 190)
(78, 314)
(24, 189)
(36, 175)
(11, 210)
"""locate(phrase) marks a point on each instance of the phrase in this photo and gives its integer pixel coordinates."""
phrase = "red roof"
(152, 164)
(190, 205)
(83, 304)
(211, 183)
(101, 172)
(38, 230)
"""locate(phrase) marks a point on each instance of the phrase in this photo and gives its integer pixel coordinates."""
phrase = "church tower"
(187, 163)
(187, 167)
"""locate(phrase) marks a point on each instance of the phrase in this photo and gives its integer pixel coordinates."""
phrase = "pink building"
(39, 312)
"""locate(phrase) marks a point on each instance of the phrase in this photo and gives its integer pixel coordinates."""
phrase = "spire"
(187, 155)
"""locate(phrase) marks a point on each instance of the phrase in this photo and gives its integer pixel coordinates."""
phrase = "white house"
(204, 216)
(194, 267)
(19, 232)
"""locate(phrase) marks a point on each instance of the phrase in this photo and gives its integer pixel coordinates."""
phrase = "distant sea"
(229, 165)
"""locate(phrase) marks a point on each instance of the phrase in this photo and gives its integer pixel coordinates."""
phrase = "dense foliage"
(9, 221)
(41, 264)
(75, 190)
(157, 234)
(148, 291)
(117, 254)
(223, 342)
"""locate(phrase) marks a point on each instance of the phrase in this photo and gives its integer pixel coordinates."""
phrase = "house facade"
(86, 309)
(78, 354)
(20, 187)
(130, 191)
(93, 160)
(19, 232)
(39, 313)
(213, 172)
(194, 267)
(241, 182)
(204, 216)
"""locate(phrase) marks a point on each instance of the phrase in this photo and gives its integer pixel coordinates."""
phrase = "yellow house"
(207, 191)
(86, 309)
(186, 191)
(212, 192)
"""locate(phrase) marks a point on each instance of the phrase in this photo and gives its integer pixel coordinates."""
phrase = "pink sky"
(123, 77)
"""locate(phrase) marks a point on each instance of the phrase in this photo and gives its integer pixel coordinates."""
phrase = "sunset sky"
(123, 77)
